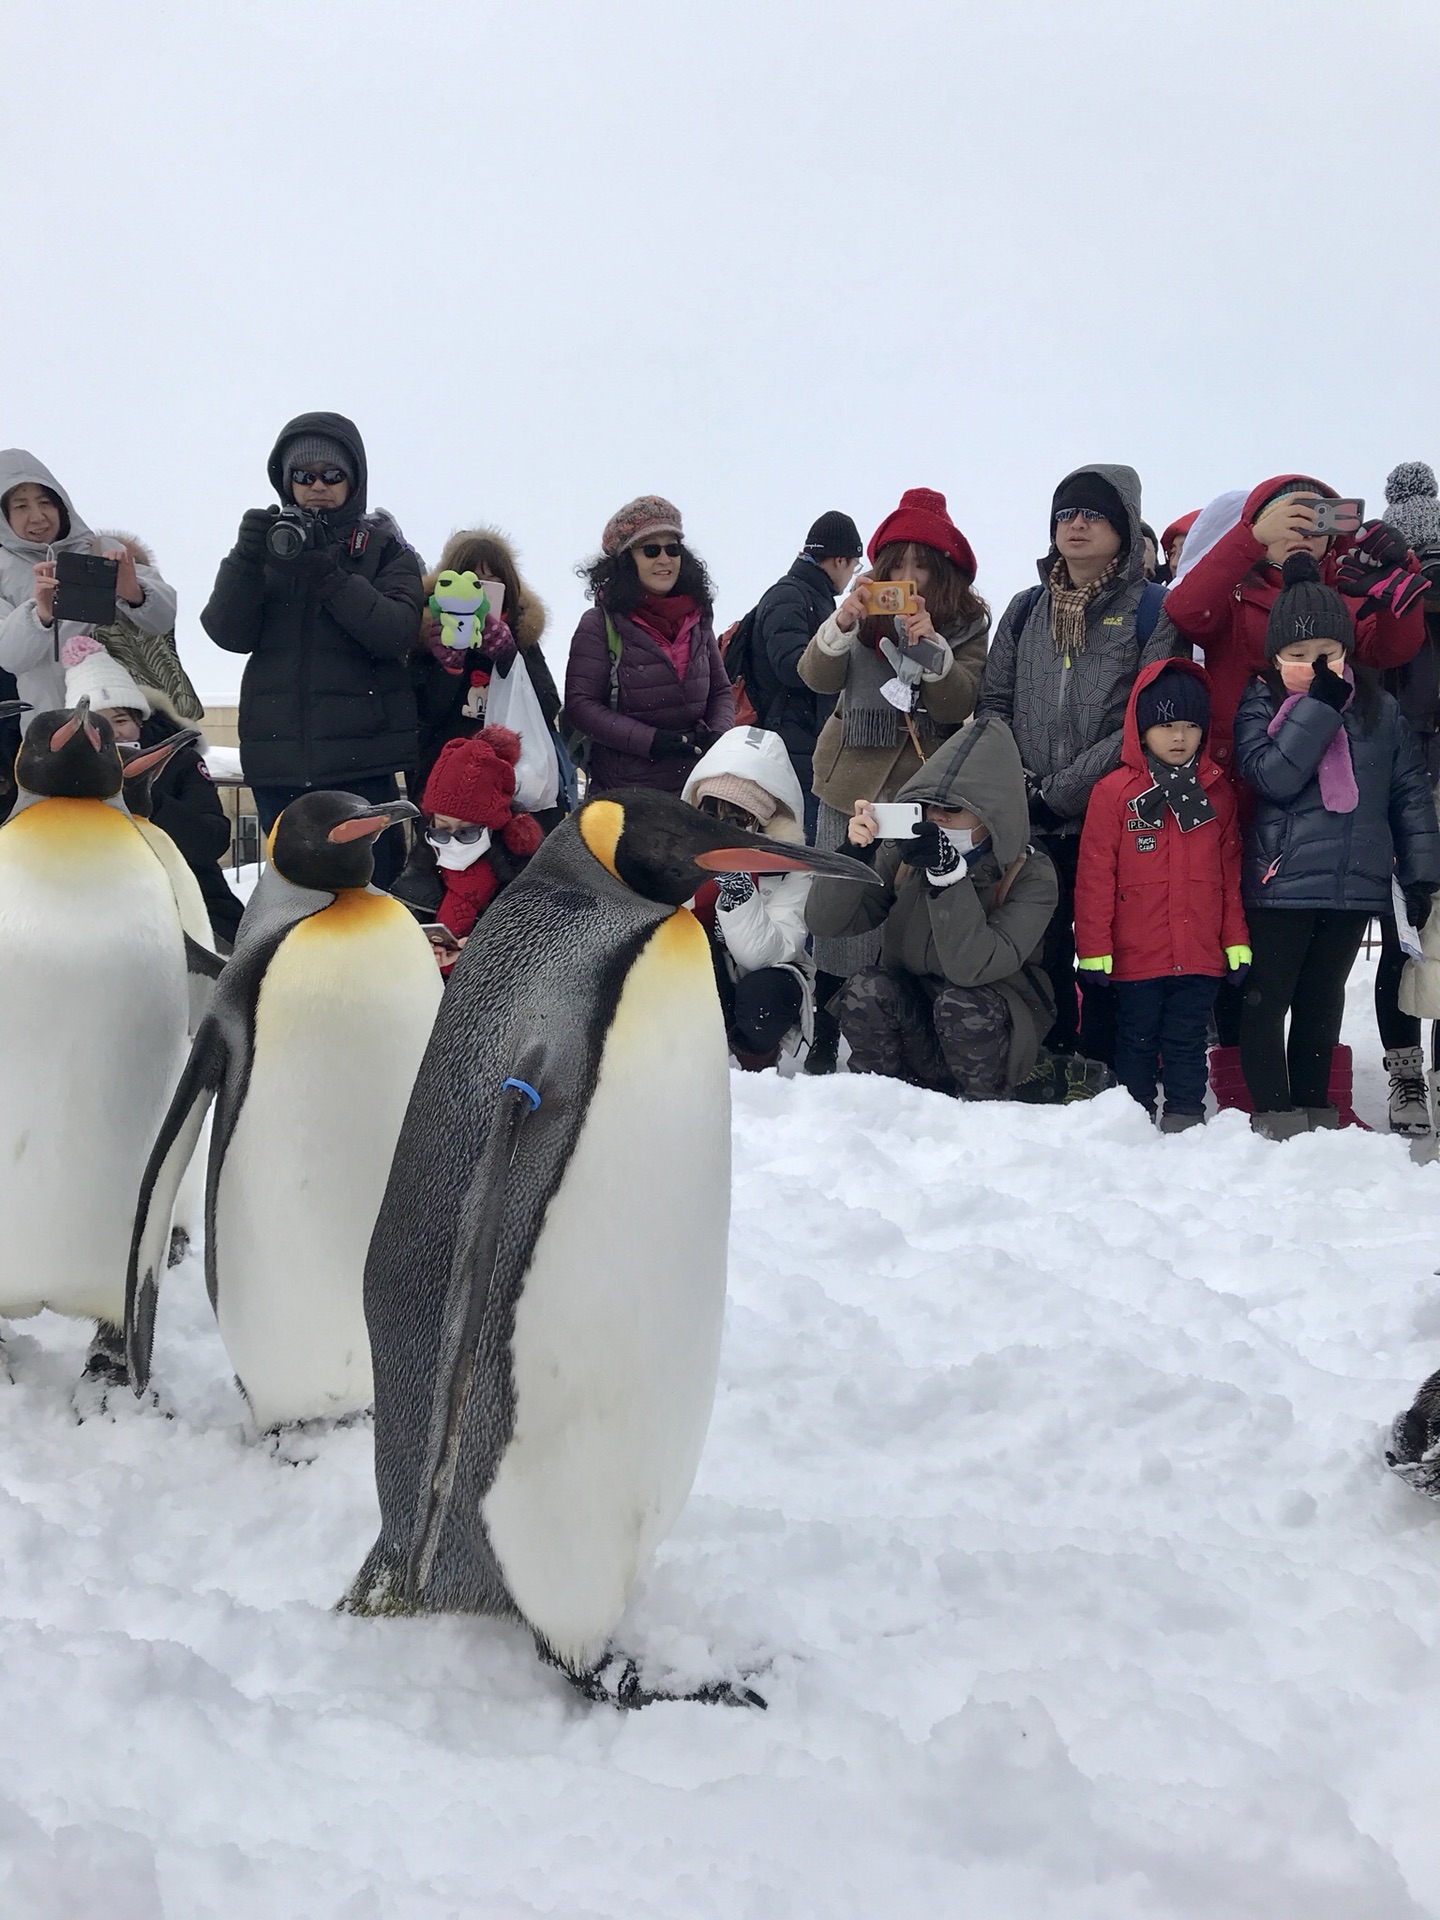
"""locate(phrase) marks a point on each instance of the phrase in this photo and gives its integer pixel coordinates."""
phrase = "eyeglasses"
(462, 836)
(318, 477)
(653, 549)
(1088, 514)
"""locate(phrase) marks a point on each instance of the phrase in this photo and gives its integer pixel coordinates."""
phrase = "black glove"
(1043, 816)
(865, 854)
(667, 745)
(1381, 546)
(1377, 569)
(254, 524)
(1328, 687)
(1418, 902)
(929, 850)
(734, 889)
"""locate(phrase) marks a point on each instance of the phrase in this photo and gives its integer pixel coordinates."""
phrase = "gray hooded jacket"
(1068, 718)
(963, 935)
(27, 649)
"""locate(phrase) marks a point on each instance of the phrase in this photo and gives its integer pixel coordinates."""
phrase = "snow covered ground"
(1044, 1484)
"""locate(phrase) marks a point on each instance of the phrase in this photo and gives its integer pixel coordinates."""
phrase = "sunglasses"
(318, 476)
(653, 549)
(1088, 514)
(727, 811)
(462, 836)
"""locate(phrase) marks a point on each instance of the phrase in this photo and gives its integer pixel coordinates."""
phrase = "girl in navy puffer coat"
(1342, 804)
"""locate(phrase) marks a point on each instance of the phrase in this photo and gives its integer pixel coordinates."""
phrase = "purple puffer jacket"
(651, 697)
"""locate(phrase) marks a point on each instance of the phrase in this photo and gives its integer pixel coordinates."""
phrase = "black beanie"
(1089, 490)
(1172, 696)
(834, 536)
(1306, 609)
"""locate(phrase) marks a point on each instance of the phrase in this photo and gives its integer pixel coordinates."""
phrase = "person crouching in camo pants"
(959, 1002)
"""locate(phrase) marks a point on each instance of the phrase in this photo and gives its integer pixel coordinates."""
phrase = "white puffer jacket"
(768, 929)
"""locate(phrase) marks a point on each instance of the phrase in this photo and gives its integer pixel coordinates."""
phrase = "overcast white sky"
(765, 259)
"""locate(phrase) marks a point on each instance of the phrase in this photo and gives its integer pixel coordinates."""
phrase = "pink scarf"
(1336, 771)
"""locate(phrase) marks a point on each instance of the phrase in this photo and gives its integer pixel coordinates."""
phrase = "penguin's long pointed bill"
(151, 759)
(63, 735)
(374, 820)
(777, 856)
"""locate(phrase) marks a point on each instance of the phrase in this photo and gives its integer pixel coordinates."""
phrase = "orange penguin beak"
(63, 735)
(374, 820)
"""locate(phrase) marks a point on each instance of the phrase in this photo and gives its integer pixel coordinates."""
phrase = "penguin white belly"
(343, 1018)
(617, 1330)
(92, 1037)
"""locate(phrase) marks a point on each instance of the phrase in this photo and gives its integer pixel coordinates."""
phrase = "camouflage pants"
(956, 1040)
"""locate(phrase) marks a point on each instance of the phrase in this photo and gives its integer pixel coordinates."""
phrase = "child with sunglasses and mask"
(473, 842)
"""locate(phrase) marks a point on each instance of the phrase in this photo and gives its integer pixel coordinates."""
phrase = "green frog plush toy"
(461, 607)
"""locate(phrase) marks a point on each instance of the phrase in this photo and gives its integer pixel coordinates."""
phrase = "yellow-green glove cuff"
(1102, 963)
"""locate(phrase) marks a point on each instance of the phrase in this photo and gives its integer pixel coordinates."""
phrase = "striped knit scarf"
(1068, 605)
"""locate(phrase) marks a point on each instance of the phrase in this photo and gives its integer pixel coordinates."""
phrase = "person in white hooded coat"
(37, 522)
(756, 921)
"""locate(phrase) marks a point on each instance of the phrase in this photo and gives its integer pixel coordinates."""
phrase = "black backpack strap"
(1147, 614)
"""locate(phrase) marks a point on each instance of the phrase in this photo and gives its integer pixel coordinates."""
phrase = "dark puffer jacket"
(1068, 714)
(652, 697)
(1297, 854)
(787, 619)
(326, 694)
(964, 934)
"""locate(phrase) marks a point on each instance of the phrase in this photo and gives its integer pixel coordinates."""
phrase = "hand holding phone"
(85, 588)
(1338, 516)
(896, 819)
(891, 596)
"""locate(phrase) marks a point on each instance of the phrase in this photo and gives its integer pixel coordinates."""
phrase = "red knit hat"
(474, 779)
(921, 517)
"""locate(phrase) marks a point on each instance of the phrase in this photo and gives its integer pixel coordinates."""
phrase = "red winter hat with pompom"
(474, 779)
(921, 517)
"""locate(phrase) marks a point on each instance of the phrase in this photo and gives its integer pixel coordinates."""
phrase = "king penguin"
(310, 1048)
(546, 1282)
(93, 1004)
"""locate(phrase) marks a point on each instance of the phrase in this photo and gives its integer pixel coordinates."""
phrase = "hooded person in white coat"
(756, 922)
(37, 522)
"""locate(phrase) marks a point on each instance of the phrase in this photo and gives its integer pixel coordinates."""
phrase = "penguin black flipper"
(171, 1155)
(200, 960)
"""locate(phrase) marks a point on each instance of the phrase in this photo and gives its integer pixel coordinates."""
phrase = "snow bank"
(1044, 1485)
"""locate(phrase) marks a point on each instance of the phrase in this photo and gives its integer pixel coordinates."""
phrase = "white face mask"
(965, 839)
(457, 857)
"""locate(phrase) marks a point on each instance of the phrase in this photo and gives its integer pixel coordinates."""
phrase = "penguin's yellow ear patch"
(601, 824)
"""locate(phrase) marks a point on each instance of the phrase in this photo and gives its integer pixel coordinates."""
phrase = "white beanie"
(89, 669)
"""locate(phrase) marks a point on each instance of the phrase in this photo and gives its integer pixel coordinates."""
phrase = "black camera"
(290, 532)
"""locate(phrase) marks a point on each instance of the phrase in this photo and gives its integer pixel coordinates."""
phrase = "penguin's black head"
(139, 765)
(69, 756)
(327, 840)
(663, 849)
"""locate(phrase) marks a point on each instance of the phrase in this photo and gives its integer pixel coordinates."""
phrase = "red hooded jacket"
(1157, 900)
(1224, 602)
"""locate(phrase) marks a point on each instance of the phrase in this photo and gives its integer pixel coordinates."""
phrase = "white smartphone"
(495, 594)
(897, 819)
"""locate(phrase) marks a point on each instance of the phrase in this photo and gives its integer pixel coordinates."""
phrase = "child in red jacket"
(480, 842)
(1157, 892)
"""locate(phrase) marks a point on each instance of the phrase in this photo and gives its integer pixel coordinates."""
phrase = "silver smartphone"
(897, 819)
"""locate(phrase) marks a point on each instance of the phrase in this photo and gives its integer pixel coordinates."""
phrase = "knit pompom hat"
(89, 669)
(638, 520)
(741, 792)
(1306, 609)
(474, 779)
(1411, 503)
(923, 519)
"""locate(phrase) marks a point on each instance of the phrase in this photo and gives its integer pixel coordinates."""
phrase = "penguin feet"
(179, 1246)
(106, 1377)
(1414, 1450)
(298, 1443)
(615, 1682)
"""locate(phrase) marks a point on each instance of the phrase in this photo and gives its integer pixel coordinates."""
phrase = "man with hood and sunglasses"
(325, 699)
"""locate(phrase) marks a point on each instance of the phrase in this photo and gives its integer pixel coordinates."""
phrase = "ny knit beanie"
(474, 779)
(834, 536)
(923, 520)
(1093, 492)
(640, 520)
(1171, 697)
(1411, 503)
(314, 451)
(1306, 609)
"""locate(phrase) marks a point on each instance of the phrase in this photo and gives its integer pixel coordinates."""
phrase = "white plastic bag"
(512, 704)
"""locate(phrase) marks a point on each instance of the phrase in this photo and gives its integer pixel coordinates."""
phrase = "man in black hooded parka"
(325, 700)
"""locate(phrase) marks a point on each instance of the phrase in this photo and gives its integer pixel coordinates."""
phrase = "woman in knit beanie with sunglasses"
(645, 683)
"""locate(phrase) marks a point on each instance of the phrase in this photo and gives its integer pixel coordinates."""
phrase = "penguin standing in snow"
(546, 1281)
(310, 1048)
(93, 1003)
